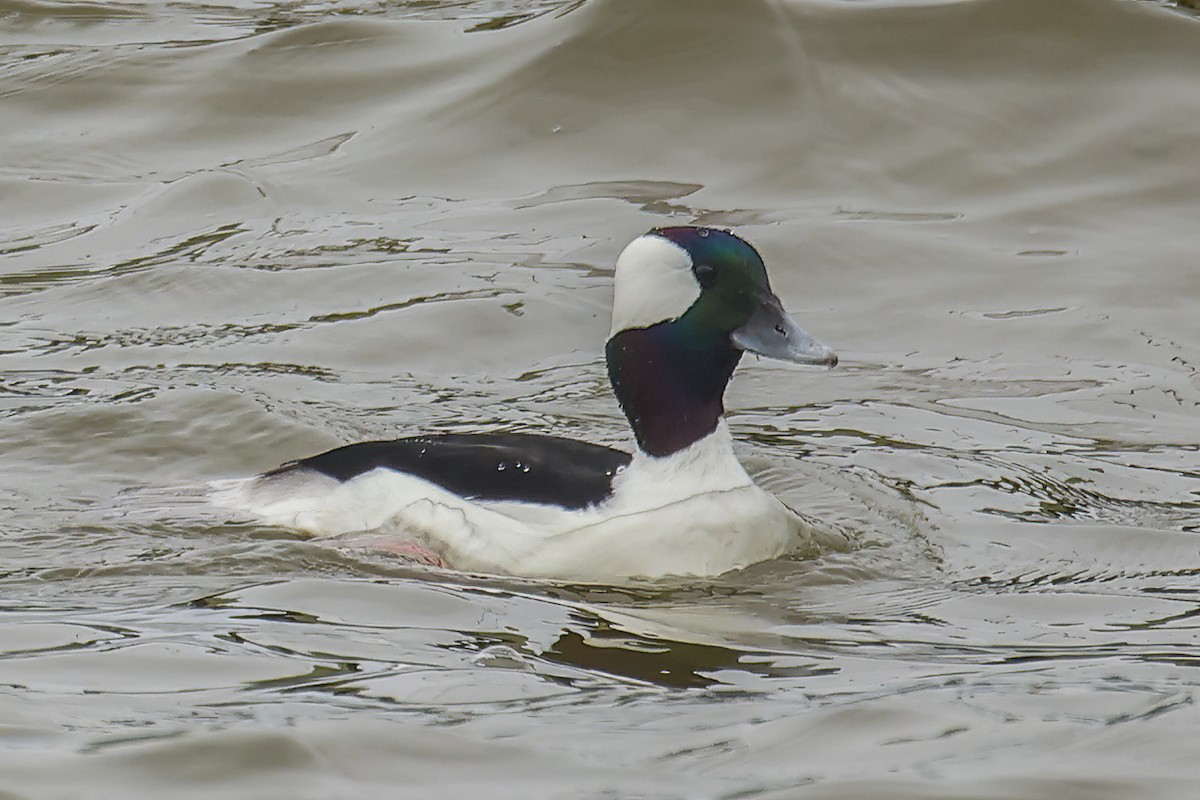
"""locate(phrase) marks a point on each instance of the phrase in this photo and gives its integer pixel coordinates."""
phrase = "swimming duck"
(689, 301)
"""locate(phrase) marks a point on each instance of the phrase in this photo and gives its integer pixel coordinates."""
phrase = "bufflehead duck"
(689, 301)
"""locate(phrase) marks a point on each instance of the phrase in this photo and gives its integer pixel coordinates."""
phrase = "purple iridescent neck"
(670, 381)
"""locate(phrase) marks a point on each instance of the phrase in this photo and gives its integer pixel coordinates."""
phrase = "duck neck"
(670, 382)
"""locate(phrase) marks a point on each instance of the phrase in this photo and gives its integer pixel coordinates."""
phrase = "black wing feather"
(486, 466)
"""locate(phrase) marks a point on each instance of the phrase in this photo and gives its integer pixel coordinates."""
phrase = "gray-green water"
(231, 235)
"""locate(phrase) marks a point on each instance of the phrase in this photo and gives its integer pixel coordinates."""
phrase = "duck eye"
(706, 275)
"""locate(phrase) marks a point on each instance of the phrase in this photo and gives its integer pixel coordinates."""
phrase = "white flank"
(695, 512)
(654, 282)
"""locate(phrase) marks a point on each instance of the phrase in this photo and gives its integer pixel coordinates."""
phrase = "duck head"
(689, 301)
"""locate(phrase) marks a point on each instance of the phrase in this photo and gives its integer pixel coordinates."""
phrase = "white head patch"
(653, 283)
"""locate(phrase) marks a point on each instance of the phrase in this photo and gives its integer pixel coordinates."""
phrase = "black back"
(485, 466)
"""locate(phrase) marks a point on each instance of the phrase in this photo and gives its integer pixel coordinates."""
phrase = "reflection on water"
(606, 649)
(237, 234)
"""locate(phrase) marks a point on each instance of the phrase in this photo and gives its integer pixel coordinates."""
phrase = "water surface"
(238, 234)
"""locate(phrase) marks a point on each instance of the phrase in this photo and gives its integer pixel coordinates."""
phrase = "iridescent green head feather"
(688, 302)
(730, 274)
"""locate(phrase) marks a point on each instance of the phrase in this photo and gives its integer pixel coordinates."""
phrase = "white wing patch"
(654, 283)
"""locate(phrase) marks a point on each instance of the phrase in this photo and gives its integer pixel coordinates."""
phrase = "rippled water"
(237, 234)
